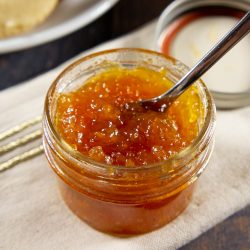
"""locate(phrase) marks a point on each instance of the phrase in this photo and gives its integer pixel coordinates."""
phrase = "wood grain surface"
(233, 233)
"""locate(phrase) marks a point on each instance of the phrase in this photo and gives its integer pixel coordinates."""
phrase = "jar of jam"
(130, 194)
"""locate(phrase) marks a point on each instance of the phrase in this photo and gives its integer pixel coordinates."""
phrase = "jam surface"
(92, 119)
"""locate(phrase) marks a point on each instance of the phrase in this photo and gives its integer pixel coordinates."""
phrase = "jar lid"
(187, 29)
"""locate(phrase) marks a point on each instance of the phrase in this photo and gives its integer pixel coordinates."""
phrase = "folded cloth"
(33, 215)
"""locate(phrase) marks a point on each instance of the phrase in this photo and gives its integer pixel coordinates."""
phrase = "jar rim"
(206, 127)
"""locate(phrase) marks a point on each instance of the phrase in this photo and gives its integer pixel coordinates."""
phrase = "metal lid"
(188, 28)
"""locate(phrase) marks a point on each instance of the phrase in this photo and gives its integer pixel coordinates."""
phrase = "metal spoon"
(162, 102)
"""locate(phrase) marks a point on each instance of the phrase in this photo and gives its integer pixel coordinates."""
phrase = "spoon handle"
(225, 44)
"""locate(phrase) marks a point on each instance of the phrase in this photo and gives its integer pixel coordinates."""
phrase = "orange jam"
(126, 171)
(92, 119)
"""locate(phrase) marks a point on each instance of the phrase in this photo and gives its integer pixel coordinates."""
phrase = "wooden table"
(234, 232)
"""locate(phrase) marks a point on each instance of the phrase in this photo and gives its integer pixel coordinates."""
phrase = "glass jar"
(118, 199)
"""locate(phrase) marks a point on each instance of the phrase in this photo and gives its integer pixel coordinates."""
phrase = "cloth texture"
(34, 216)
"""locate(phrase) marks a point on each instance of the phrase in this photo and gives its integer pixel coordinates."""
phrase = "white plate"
(69, 16)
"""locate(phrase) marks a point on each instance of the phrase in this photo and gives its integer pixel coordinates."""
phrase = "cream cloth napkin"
(33, 215)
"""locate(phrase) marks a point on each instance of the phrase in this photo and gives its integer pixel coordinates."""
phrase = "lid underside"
(190, 35)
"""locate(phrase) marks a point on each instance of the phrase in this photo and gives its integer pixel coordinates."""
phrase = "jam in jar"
(126, 171)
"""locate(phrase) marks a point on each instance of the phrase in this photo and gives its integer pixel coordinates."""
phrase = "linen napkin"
(33, 215)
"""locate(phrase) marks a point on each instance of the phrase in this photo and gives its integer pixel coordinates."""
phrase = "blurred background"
(123, 17)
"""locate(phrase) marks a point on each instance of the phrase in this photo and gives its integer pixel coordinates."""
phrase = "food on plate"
(19, 16)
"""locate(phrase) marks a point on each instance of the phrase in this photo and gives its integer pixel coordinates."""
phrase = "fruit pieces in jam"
(93, 121)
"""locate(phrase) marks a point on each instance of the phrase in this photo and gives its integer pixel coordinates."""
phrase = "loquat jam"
(126, 171)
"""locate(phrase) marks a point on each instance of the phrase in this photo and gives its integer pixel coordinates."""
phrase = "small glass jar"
(118, 199)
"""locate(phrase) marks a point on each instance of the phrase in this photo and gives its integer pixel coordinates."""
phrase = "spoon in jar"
(162, 102)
